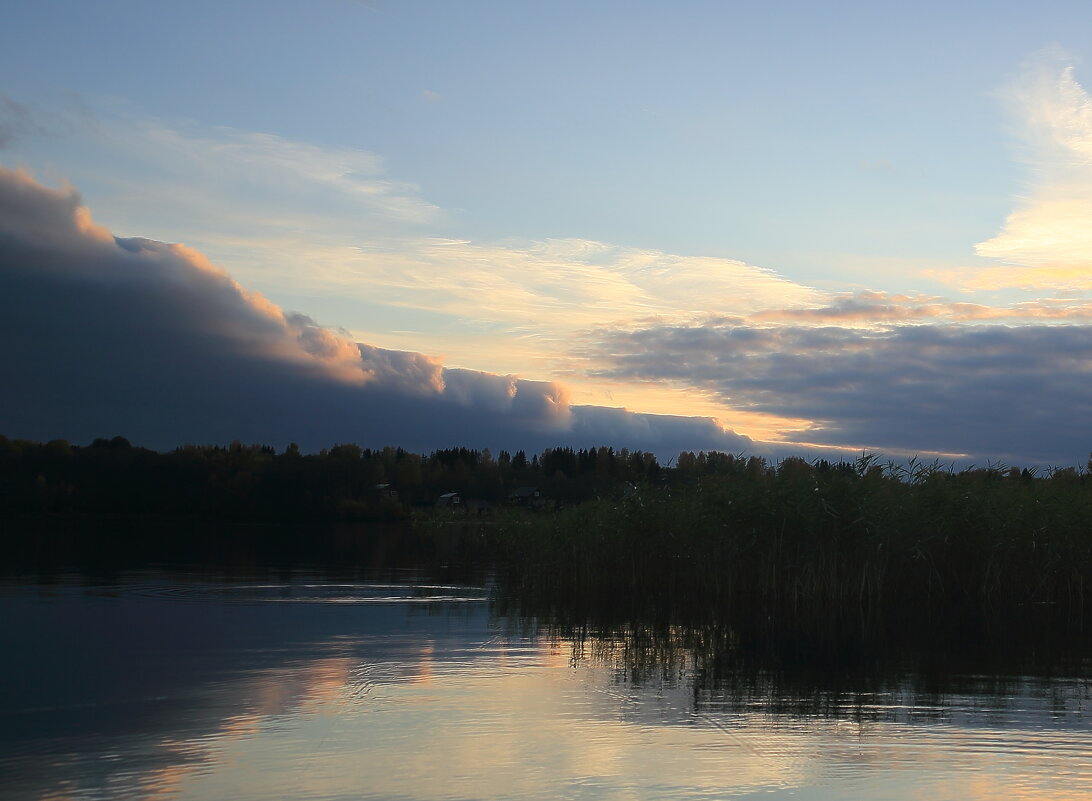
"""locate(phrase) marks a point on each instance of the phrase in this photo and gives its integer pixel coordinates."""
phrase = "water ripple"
(291, 592)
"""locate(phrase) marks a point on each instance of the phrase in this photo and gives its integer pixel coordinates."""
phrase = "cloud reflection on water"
(400, 701)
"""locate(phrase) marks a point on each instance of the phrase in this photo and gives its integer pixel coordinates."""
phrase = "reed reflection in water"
(160, 687)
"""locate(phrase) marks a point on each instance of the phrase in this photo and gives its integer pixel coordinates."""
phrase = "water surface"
(166, 685)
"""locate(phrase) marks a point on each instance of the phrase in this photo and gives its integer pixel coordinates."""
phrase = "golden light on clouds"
(554, 284)
(658, 397)
(1047, 242)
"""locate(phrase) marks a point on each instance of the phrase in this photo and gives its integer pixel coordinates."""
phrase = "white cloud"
(1047, 241)
(255, 173)
(571, 282)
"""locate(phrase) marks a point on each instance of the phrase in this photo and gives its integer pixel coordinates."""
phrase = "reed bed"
(823, 547)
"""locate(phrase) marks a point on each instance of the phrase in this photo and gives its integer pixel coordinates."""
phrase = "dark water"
(258, 679)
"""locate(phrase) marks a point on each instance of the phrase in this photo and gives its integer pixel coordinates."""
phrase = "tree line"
(112, 476)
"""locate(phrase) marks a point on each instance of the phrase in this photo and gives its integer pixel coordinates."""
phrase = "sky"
(773, 228)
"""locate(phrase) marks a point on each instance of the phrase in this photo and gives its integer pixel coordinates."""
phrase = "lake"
(392, 685)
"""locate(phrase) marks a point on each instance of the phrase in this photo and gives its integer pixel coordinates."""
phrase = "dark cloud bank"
(102, 335)
(1022, 395)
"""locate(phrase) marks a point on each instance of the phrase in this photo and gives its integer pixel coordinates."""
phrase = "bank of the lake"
(825, 550)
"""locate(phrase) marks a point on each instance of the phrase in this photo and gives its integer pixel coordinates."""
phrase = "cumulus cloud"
(988, 391)
(102, 334)
(1047, 241)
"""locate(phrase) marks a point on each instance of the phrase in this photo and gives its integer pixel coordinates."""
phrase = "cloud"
(228, 185)
(16, 121)
(237, 165)
(326, 228)
(870, 309)
(103, 334)
(128, 335)
(567, 282)
(1047, 241)
(988, 391)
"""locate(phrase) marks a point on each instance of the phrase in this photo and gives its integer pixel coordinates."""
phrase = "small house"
(450, 500)
(527, 496)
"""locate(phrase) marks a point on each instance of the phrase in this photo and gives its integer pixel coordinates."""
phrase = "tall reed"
(821, 545)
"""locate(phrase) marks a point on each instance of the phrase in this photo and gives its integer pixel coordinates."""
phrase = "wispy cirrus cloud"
(16, 121)
(1046, 243)
(870, 309)
(252, 184)
(567, 283)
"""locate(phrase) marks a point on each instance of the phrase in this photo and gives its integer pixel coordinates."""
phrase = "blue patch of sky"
(745, 130)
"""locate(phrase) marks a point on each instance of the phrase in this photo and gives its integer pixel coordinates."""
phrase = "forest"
(344, 482)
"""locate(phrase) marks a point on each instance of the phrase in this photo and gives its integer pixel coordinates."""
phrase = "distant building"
(450, 499)
(527, 496)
